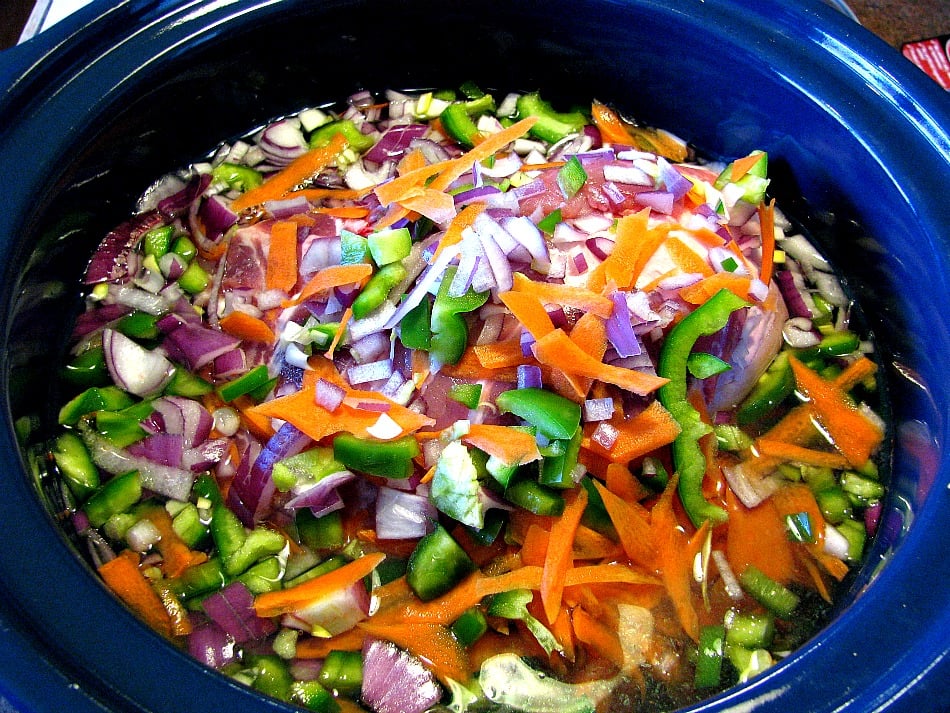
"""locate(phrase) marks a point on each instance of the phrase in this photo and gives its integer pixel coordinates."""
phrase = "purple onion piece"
(233, 610)
(403, 515)
(111, 260)
(620, 328)
(395, 681)
(212, 645)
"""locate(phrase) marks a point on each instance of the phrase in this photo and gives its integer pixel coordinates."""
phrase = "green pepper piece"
(227, 531)
(535, 498)
(754, 182)
(457, 120)
(471, 90)
(414, 330)
(115, 496)
(308, 466)
(436, 565)
(244, 384)
(772, 388)
(328, 565)
(354, 249)
(342, 671)
(466, 394)
(709, 659)
(184, 248)
(514, 605)
(88, 368)
(185, 383)
(549, 222)
(856, 535)
(320, 533)
(194, 279)
(595, 514)
(703, 365)
(377, 289)
(773, 595)
(552, 126)
(258, 544)
(751, 630)
(449, 329)
(355, 139)
(833, 345)
(313, 696)
(265, 576)
(120, 427)
(206, 487)
(139, 325)
(571, 177)
(705, 320)
(557, 469)
(390, 459)
(199, 579)
(156, 241)
(188, 525)
(238, 177)
(470, 626)
(271, 675)
(834, 504)
(95, 398)
(391, 245)
(553, 415)
(75, 464)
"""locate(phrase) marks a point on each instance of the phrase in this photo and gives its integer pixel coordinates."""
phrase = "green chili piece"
(514, 605)
(553, 415)
(571, 177)
(751, 630)
(188, 525)
(186, 383)
(115, 496)
(271, 675)
(355, 139)
(185, 248)
(199, 579)
(834, 345)
(457, 119)
(535, 498)
(194, 279)
(75, 464)
(549, 222)
(834, 504)
(121, 427)
(244, 384)
(95, 398)
(436, 565)
(703, 365)
(309, 466)
(391, 245)
(377, 289)
(466, 394)
(705, 320)
(241, 178)
(328, 565)
(557, 469)
(773, 595)
(354, 249)
(552, 126)
(709, 658)
(157, 241)
(414, 329)
(342, 671)
(265, 576)
(772, 388)
(470, 626)
(449, 329)
(88, 368)
(258, 544)
(320, 533)
(856, 535)
(390, 459)
(139, 325)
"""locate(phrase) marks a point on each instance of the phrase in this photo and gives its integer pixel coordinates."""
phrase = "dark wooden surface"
(896, 21)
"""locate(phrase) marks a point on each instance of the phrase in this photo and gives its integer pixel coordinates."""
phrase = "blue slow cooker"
(120, 92)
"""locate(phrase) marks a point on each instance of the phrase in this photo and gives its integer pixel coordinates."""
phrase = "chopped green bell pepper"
(388, 246)
(377, 288)
(88, 368)
(449, 329)
(115, 496)
(75, 464)
(705, 320)
(457, 120)
(414, 329)
(355, 139)
(390, 459)
(552, 126)
(95, 398)
(436, 565)
(238, 177)
(244, 384)
(553, 415)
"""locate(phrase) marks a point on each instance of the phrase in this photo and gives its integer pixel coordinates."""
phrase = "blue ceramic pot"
(858, 138)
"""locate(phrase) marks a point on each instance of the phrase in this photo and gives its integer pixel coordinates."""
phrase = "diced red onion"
(334, 613)
(174, 483)
(791, 294)
(620, 328)
(139, 299)
(529, 236)
(394, 142)
(211, 645)
(230, 364)
(605, 435)
(322, 495)
(627, 173)
(660, 201)
(395, 681)
(475, 195)
(132, 367)
(283, 141)
(373, 371)
(370, 347)
(462, 280)
(176, 205)
(600, 246)
(172, 266)
(185, 417)
(199, 345)
(232, 609)
(671, 179)
(202, 457)
(598, 409)
(529, 376)
(872, 517)
(328, 395)
(252, 487)
(497, 260)
(216, 216)
(402, 516)
(161, 448)
(527, 341)
(287, 207)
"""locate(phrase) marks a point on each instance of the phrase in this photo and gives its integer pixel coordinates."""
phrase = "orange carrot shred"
(295, 173)
(600, 637)
(281, 271)
(123, 576)
(509, 445)
(767, 223)
(557, 350)
(535, 546)
(499, 354)
(699, 292)
(528, 310)
(741, 166)
(799, 454)
(176, 555)
(247, 327)
(453, 234)
(611, 128)
(335, 342)
(757, 536)
(558, 559)
(564, 295)
(632, 525)
(284, 601)
(330, 277)
(687, 259)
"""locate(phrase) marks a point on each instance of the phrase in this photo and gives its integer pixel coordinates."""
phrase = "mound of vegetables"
(436, 400)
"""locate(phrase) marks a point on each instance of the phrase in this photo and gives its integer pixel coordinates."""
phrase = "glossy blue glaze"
(858, 138)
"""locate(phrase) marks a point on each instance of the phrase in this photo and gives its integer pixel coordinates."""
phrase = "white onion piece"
(142, 535)
(835, 543)
(132, 367)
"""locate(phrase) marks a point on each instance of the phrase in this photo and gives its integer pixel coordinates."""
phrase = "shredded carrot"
(600, 637)
(534, 548)
(631, 521)
(281, 269)
(591, 545)
(685, 258)
(796, 498)
(257, 423)
(559, 556)
(344, 211)
(590, 336)
(832, 565)
(699, 292)
(330, 277)
(509, 445)
(612, 129)
(438, 206)
(453, 234)
(335, 342)
(300, 409)
(176, 555)
(541, 166)
(799, 454)
(295, 173)
(563, 631)
(564, 295)
(247, 327)
(767, 223)
(500, 354)
(317, 194)
(635, 245)
(622, 483)
(433, 643)
(852, 433)
(812, 569)
(319, 648)
(411, 161)
(557, 350)
(529, 577)
(123, 576)
(757, 536)
(528, 310)
(741, 166)
(284, 601)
